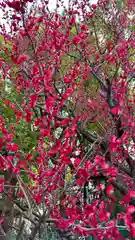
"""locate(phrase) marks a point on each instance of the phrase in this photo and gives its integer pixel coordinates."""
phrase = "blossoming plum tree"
(68, 118)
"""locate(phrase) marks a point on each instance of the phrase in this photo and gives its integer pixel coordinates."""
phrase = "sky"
(52, 6)
(52, 3)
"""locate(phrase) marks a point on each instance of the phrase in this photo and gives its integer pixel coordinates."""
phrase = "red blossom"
(76, 40)
(77, 161)
(28, 116)
(130, 209)
(33, 100)
(16, 170)
(48, 173)
(65, 160)
(94, 6)
(64, 224)
(99, 160)
(109, 190)
(37, 198)
(67, 80)
(12, 147)
(1, 220)
(15, 5)
(1, 187)
(131, 194)
(116, 111)
(22, 59)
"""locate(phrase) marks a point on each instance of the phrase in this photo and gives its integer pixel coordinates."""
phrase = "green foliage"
(5, 45)
(92, 84)
(25, 177)
(119, 3)
(73, 30)
(93, 127)
(25, 137)
(7, 113)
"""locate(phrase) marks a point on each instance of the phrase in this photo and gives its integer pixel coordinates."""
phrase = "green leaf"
(34, 169)
(25, 177)
(114, 154)
(1, 39)
(124, 233)
(119, 3)
(73, 30)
